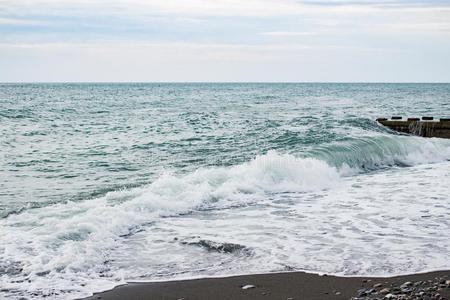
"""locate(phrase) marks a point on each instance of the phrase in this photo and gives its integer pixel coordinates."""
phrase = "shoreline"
(289, 285)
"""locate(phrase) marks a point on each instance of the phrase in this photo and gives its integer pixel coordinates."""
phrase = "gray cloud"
(364, 40)
(380, 3)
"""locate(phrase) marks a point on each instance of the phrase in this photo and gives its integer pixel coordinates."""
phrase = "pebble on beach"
(408, 290)
(248, 286)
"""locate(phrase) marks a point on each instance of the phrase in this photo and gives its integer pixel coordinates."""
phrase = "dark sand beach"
(295, 285)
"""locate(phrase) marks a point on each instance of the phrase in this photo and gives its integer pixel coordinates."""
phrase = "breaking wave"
(381, 151)
(64, 248)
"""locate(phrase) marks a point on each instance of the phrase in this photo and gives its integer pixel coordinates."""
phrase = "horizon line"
(224, 82)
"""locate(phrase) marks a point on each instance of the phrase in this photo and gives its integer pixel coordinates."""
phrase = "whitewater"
(139, 184)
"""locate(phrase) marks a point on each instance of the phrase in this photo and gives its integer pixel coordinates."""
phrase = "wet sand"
(293, 285)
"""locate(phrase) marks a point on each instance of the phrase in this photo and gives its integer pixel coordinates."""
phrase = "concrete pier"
(425, 126)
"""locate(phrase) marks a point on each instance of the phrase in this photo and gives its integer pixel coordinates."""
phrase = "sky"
(224, 41)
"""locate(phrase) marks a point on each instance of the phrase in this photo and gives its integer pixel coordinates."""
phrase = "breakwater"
(425, 126)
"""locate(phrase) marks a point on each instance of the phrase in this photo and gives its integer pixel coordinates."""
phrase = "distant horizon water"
(225, 82)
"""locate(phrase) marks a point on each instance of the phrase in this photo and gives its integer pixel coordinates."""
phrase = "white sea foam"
(288, 212)
(65, 246)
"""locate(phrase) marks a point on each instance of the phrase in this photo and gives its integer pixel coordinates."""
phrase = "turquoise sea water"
(106, 183)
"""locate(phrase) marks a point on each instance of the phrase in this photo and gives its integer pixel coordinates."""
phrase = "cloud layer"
(295, 40)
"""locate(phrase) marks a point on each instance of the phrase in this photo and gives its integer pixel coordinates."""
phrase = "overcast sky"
(224, 40)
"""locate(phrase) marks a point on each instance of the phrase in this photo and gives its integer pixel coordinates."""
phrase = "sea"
(102, 184)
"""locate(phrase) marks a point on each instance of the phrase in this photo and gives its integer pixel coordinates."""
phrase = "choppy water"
(106, 183)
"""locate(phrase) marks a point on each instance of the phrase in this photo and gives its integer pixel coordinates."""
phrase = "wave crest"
(381, 151)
